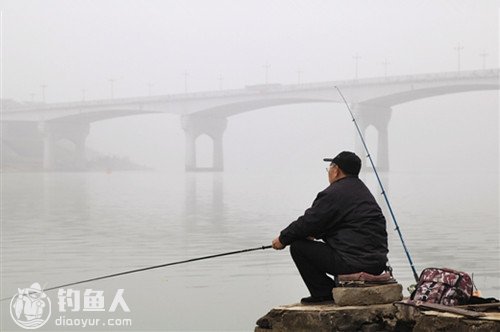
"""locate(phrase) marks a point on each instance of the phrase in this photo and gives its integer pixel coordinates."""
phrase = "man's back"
(346, 216)
(358, 230)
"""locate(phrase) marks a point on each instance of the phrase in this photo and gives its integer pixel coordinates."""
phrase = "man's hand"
(277, 244)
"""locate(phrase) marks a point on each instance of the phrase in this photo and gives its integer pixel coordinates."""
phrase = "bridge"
(208, 112)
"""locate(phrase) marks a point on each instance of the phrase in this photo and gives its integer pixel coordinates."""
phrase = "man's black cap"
(348, 162)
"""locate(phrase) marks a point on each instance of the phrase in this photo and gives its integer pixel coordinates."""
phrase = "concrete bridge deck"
(207, 112)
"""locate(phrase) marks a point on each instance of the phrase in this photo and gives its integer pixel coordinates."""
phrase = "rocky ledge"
(380, 317)
(359, 311)
(297, 317)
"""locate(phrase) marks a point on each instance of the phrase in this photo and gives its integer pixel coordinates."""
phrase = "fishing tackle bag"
(443, 286)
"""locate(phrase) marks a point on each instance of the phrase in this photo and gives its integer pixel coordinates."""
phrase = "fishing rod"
(152, 268)
(407, 252)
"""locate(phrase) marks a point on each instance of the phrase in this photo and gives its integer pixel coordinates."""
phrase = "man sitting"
(350, 223)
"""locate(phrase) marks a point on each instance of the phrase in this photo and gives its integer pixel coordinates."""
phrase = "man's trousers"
(314, 259)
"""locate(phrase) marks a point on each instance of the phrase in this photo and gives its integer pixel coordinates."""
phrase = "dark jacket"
(346, 216)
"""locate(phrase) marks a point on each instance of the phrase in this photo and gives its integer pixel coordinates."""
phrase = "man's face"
(333, 172)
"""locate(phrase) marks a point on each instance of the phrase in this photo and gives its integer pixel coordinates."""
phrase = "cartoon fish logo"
(30, 308)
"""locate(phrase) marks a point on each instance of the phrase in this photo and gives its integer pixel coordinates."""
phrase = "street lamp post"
(385, 64)
(459, 49)
(484, 55)
(112, 87)
(221, 79)
(266, 73)
(186, 74)
(43, 87)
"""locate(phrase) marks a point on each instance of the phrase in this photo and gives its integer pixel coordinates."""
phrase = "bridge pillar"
(378, 117)
(196, 125)
(80, 157)
(54, 131)
(48, 151)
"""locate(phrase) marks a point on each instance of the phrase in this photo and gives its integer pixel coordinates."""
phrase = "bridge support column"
(48, 151)
(194, 126)
(80, 152)
(75, 132)
(378, 117)
(218, 152)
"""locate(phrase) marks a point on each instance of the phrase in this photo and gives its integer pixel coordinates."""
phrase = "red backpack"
(443, 286)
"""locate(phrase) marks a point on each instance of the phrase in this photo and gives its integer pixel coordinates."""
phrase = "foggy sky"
(76, 45)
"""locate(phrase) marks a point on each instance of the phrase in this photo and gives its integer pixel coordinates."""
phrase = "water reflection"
(68, 190)
(204, 197)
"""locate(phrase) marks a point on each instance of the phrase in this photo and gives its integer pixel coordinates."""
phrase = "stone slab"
(359, 296)
(328, 317)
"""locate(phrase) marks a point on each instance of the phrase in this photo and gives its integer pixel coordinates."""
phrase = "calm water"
(58, 228)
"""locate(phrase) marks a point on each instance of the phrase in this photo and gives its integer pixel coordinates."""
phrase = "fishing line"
(415, 275)
(152, 268)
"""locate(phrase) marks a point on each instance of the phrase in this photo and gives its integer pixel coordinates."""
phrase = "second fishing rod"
(393, 217)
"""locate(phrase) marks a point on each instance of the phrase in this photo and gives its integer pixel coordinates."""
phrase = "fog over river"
(62, 225)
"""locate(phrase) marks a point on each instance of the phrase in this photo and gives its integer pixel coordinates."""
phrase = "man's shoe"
(317, 299)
